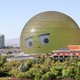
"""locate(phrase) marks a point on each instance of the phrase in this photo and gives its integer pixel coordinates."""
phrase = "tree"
(2, 60)
(69, 72)
(38, 76)
(77, 76)
(57, 71)
(23, 67)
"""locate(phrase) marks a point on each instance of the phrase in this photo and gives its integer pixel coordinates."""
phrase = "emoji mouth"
(39, 47)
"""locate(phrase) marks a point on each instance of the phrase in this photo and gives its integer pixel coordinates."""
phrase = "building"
(2, 39)
(62, 54)
(74, 47)
(47, 31)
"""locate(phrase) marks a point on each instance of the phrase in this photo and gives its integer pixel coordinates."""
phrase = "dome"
(49, 31)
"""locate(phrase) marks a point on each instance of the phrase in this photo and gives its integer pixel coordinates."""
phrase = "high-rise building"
(2, 40)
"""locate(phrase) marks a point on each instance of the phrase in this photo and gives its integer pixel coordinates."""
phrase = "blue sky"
(15, 13)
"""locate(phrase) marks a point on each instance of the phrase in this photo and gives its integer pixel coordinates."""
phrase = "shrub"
(50, 75)
(23, 67)
(38, 76)
(69, 72)
(29, 62)
(44, 77)
(44, 68)
(57, 71)
(8, 66)
(14, 72)
(21, 75)
(77, 76)
(2, 60)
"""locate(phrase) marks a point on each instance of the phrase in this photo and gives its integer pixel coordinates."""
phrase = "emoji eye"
(29, 42)
(44, 39)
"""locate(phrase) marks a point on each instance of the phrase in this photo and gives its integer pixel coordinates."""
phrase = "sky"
(14, 14)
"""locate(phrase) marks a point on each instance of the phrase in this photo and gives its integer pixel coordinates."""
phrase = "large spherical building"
(49, 31)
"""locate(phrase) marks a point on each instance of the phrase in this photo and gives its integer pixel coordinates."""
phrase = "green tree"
(69, 72)
(23, 67)
(38, 76)
(57, 71)
(2, 60)
(77, 76)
